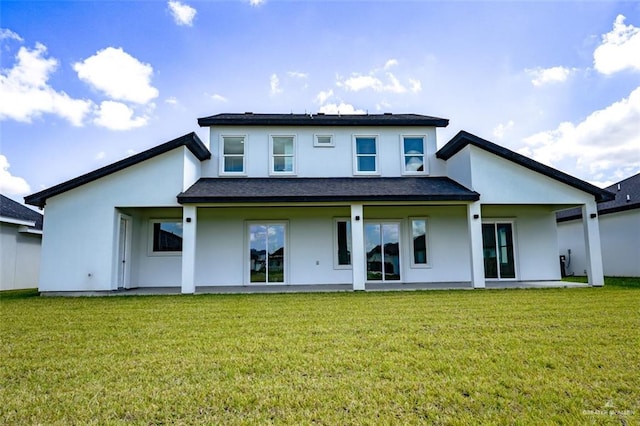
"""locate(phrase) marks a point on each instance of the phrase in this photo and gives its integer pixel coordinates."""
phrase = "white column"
(189, 222)
(358, 263)
(595, 272)
(474, 220)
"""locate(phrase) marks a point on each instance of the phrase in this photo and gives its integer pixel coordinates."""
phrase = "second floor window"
(413, 154)
(283, 154)
(366, 149)
(233, 154)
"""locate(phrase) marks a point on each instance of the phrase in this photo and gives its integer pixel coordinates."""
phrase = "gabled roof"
(387, 119)
(13, 210)
(191, 141)
(627, 197)
(462, 139)
(261, 190)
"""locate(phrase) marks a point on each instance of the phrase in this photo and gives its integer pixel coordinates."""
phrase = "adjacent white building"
(296, 199)
(619, 233)
(20, 240)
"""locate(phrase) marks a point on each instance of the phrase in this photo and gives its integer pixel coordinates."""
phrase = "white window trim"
(376, 172)
(427, 243)
(324, 145)
(272, 172)
(511, 221)
(425, 161)
(150, 251)
(244, 156)
(401, 261)
(336, 263)
(247, 251)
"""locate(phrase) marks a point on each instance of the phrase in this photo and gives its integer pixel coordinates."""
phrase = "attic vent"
(248, 113)
(388, 113)
(323, 140)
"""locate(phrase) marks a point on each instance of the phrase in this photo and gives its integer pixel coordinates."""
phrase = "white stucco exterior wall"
(79, 244)
(19, 258)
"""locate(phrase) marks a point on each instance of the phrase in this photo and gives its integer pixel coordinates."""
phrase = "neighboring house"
(619, 221)
(299, 199)
(20, 240)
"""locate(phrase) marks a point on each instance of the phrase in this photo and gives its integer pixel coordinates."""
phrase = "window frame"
(331, 144)
(223, 172)
(272, 156)
(427, 244)
(514, 247)
(151, 237)
(403, 155)
(336, 248)
(356, 171)
(247, 254)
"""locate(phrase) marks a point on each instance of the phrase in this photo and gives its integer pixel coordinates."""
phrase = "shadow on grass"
(19, 294)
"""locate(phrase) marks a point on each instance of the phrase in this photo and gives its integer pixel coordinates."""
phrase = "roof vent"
(320, 113)
(248, 113)
(618, 187)
(628, 198)
(388, 113)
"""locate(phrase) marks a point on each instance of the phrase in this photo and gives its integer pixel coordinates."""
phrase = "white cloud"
(11, 185)
(183, 14)
(390, 63)
(542, 76)
(607, 140)
(323, 96)
(171, 100)
(256, 3)
(500, 129)
(219, 98)
(25, 92)
(118, 116)
(360, 82)
(620, 49)
(119, 75)
(7, 34)
(100, 155)
(297, 74)
(274, 83)
(341, 108)
(416, 85)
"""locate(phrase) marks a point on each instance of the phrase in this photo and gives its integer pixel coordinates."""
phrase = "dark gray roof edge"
(190, 140)
(574, 214)
(463, 138)
(185, 199)
(251, 119)
(12, 209)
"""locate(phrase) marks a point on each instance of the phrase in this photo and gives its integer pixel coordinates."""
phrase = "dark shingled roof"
(191, 141)
(15, 210)
(629, 187)
(462, 139)
(261, 190)
(251, 119)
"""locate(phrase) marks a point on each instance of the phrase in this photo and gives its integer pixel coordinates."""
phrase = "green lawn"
(566, 356)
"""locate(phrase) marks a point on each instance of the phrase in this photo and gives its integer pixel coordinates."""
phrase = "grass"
(566, 356)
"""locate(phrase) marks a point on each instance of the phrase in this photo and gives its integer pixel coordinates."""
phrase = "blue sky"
(84, 84)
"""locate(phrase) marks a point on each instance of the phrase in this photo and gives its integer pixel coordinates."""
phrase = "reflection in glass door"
(382, 245)
(497, 244)
(267, 253)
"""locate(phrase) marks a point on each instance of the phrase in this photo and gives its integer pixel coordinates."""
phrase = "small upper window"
(323, 140)
(167, 236)
(233, 150)
(366, 150)
(283, 154)
(413, 154)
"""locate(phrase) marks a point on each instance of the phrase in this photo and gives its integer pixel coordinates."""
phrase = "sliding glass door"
(497, 244)
(382, 245)
(267, 253)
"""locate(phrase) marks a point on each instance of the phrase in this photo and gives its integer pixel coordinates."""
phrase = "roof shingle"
(251, 119)
(14, 210)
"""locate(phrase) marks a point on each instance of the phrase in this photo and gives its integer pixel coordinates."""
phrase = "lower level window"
(498, 250)
(343, 243)
(419, 241)
(267, 252)
(167, 236)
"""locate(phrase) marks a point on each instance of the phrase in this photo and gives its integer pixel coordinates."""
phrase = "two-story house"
(297, 199)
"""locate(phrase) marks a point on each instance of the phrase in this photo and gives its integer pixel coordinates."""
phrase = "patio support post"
(474, 219)
(595, 272)
(357, 247)
(189, 222)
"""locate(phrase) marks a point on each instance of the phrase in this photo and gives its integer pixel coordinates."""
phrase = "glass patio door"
(497, 244)
(267, 253)
(382, 245)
